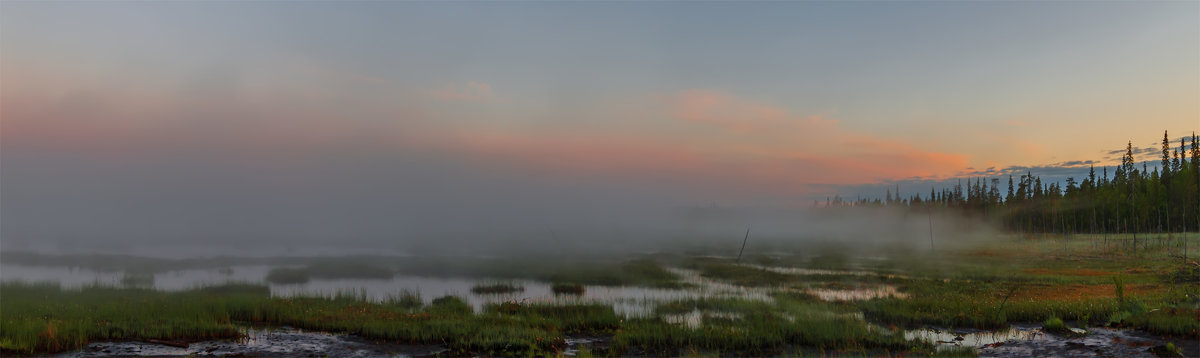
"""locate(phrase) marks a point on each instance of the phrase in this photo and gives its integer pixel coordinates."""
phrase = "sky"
(226, 119)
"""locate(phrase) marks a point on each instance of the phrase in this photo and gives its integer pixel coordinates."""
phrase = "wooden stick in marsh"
(744, 239)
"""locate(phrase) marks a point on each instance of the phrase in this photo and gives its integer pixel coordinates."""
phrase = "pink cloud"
(758, 149)
(766, 149)
(734, 113)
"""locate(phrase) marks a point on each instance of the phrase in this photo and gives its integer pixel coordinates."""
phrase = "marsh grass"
(976, 305)
(990, 287)
(1055, 325)
(754, 335)
(1029, 281)
(1177, 321)
(741, 275)
(449, 306)
(1167, 350)
(405, 300)
(42, 318)
(964, 352)
(579, 318)
(792, 322)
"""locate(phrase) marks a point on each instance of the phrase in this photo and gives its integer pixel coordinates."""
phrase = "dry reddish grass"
(1082, 292)
(1067, 272)
(1003, 252)
(988, 253)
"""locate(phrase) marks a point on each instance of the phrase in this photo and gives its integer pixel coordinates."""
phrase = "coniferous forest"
(1130, 198)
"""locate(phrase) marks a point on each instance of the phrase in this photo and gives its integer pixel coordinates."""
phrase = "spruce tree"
(1166, 159)
(1009, 198)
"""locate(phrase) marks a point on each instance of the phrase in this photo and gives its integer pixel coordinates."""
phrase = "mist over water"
(159, 212)
(201, 203)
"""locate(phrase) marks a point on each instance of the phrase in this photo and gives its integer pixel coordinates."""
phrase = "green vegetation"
(756, 336)
(736, 274)
(45, 319)
(449, 306)
(404, 301)
(41, 318)
(976, 305)
(1030, 281)
(1055, 325)
(581, 318)
(988, 286)
(758, 328)
(1167, 350)
(956, 352)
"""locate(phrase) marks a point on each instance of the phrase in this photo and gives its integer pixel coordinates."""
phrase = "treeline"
(1164, 198)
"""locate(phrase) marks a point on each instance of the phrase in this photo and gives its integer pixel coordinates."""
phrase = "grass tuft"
(1055, 325)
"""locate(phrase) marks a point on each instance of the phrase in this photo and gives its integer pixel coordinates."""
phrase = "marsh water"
(1019, 340)
(628, 301)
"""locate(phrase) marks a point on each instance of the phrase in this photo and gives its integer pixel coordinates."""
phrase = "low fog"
(185, 205)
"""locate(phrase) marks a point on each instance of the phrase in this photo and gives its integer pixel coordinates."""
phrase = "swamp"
(1011, 295)
(514, 178)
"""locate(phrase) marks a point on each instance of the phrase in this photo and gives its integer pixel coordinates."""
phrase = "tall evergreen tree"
(1175, 164)
(1166, 159)
(1091, 181)
(1195, 154)
(1009, 198)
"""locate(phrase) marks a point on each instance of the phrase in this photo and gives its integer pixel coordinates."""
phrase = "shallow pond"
(628, 301)
(1021, 340)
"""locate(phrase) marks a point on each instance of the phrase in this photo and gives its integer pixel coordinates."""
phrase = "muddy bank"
(1020, 341)
(278, 342)
(1097, 342)
(291, 342)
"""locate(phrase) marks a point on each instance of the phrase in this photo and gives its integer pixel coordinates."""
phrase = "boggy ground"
(263, 343)
(981, 287)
